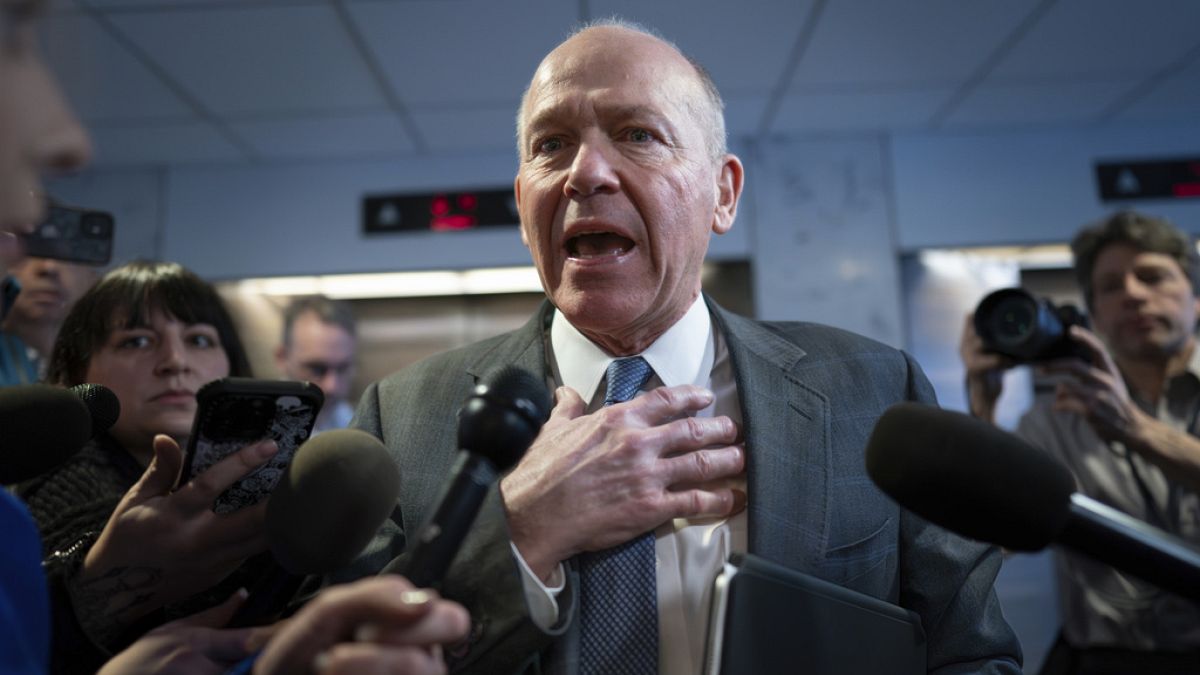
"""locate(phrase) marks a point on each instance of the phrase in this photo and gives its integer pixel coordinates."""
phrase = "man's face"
(1142, 303)
(37, 131)
(321, 353)
(48, 289)
(617, 188)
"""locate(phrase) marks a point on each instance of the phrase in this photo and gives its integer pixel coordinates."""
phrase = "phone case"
(234, 412)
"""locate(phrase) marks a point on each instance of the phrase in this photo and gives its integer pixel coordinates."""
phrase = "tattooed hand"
(161, 546)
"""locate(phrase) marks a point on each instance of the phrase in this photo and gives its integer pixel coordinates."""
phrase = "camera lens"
(1013, 319)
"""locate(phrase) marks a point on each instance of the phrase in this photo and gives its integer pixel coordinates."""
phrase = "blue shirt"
(24, 597)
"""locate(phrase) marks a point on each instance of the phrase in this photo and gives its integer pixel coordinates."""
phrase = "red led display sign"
(1149, 179)
(439, 211)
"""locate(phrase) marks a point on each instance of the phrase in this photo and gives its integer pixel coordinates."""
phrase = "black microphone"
(339, 488)
(42, 426)
(496, 425)
(984, 483)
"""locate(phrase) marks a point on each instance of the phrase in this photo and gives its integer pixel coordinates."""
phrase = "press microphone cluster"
(42, 426)
(496, 425)
(339, 488)
(984, 483)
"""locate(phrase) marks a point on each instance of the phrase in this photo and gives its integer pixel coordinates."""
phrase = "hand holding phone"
(234, 412)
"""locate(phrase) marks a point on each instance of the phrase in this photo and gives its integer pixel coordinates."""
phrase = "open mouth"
(597, 245)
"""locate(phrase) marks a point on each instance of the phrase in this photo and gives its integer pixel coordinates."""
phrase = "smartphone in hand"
(234, 412)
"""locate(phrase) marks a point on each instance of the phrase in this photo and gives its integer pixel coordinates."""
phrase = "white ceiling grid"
(185, 81)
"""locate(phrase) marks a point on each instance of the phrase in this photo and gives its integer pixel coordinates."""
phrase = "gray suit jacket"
(810, 396)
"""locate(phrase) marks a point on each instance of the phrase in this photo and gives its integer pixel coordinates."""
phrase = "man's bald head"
(706, 106)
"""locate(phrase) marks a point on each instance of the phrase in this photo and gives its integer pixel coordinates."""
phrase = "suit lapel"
(786, 428)
(525, 348)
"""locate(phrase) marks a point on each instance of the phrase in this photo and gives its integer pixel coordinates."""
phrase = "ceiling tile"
(762, 33)
(932, 42)
(101, 79)
(296, 59)
(858, 111)
(1175, 98)
(465, 129)
(1104, 39)
(467, 52)
(161, 144)
(374, 134)
(167, 5)
(1041, 103)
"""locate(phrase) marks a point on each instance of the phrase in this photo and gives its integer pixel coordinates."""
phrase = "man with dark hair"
(48, 289)
(319, 343)
(1126, 425)
(682, 434)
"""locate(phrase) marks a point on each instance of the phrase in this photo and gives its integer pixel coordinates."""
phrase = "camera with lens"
(1015, 323)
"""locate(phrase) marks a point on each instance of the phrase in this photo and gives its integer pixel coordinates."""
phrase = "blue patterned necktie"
(618, 597)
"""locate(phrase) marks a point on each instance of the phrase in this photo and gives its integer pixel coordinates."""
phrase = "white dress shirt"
(689, 553)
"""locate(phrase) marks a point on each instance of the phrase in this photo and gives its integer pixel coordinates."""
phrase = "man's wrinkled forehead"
(605, 55)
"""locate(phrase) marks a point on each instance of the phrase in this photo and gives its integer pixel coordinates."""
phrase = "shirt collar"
(682, 355)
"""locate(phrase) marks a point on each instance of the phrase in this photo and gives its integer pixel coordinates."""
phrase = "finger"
(693, 433)
(665, 403)
(226, 472)
(162, 474)
(568, 405)
(446, 623)
(1082, 373)
(701, 466)
(372, 659)
(1095, 347)
(335, 614)
(700, 503)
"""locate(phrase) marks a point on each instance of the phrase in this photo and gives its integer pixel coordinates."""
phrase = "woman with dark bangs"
(153, 333)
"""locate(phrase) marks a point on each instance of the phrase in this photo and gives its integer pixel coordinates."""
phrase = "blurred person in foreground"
(1125, 422)
(372, 625)
(597, 552)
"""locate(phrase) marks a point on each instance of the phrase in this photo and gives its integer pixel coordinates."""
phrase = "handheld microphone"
(984, 483)
(496, 425)
(340, 487)
(41, 426)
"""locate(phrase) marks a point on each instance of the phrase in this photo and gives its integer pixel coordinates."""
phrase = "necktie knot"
(625, 377)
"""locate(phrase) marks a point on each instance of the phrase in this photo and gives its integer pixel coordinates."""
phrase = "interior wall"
(822, 221)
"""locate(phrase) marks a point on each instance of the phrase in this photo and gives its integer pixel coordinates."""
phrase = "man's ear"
(281, 355)
(729, 191)
(517, 196)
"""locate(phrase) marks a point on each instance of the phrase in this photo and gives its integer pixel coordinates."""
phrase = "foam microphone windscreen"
(101, 403)
(40, 427)
(969, 476)
(503, 415)
(339, 488)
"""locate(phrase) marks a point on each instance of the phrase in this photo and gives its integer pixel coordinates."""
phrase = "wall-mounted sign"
(1149, 179)
(438, 211)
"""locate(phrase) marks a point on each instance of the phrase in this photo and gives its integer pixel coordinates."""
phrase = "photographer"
(1125, 422)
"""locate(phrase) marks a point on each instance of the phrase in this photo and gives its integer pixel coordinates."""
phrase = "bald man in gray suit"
(746, 436)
